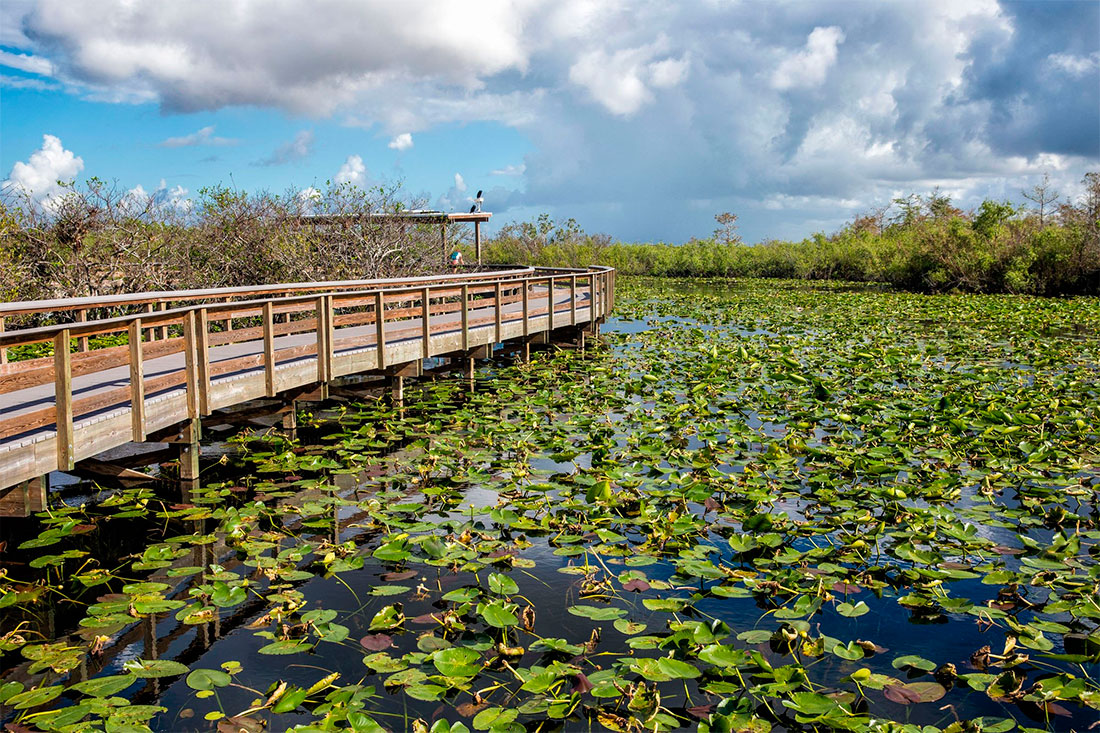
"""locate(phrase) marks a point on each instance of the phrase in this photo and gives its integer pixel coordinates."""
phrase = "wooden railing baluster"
(499, 309)
(380, 328)
(550, 300)
(269, 348)
(202, 344)
(573, 300)
(137, 382)
(426, 319)
(190, 373)
(82, 317)
(465, 318)
(63, 399)
(526, 309)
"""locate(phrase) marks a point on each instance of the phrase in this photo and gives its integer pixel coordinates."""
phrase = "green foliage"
(922, 244)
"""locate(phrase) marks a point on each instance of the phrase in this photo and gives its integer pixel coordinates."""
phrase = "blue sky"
(639, 119)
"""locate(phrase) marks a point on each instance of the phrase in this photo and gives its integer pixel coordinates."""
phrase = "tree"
(727, 233)
(1043, 196)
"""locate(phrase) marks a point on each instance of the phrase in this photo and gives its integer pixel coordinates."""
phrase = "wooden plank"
(3, 350)
(269, 348)
(36, 372)
(426, 320)
(111, 470)
(137, 382)
(380, 329)
(63, 399)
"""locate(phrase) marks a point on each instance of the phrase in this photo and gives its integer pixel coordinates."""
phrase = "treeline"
(921, 243)
(95, 239)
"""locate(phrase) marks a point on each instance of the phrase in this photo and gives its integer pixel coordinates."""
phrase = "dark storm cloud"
(1042, 81)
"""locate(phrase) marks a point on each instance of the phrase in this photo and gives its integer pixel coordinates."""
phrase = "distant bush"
(95, 239)
(918, 243)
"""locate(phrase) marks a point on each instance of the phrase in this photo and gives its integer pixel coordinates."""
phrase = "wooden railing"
(216, 350)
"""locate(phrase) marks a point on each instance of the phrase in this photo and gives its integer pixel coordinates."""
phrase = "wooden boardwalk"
(179, 356)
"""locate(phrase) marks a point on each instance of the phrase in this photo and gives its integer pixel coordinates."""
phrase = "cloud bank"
(645, 117)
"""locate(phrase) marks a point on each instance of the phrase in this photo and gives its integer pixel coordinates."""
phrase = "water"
(695, 454)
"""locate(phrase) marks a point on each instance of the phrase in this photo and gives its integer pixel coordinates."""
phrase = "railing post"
(324, 346)
(526, 309)
(63, 399)
(269, 348)
(189, 368)
(3, 349)
(550, 300)
(82, 317)
(573, 300)
(426, 318)
(465, 317)
(499, 310)
(202, 334)
(163, 329)
(152, 331)
(380, 327)
(137, 382)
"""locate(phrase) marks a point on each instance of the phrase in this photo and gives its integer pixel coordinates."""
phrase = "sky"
(640, 119)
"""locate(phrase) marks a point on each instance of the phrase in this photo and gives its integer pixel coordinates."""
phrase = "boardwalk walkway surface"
(210, 350)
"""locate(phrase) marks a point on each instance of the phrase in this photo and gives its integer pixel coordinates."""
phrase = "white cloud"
(293, 150)
(510, 170)
(204, 136)
(404, 141)
(308, 59)
(808, 67)
(163, 199)
(621, 80)
(38, 177)
(1074, 65)
(353, 171)
(27, 62)
(309, 199)
(456, 198)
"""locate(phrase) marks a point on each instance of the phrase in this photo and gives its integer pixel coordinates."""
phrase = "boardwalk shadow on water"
(759, 506)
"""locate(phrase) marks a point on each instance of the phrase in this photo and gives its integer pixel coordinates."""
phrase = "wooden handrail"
(22, 337)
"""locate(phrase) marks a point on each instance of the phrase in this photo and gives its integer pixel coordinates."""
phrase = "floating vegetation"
(761, 506)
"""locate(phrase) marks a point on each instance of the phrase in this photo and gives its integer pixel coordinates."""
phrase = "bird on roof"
(473, 208)
(477, 201)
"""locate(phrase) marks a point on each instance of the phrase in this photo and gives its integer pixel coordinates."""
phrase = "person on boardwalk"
(456, 259)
